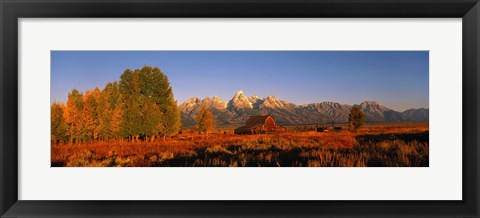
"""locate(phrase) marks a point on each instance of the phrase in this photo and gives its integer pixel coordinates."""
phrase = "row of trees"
(140, 105)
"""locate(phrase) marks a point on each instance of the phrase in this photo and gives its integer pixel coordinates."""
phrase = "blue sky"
(396, 79)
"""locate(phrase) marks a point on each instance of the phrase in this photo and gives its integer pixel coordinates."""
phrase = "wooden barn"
(260, 125)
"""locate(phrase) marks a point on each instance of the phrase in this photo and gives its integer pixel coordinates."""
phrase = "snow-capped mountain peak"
(190, 104)
(215, 102)
(239, 101)
(240, 107)
(272, 102)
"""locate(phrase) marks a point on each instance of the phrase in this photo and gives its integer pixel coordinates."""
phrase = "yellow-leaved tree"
(205, 120)
(59, 129)
(73, 116)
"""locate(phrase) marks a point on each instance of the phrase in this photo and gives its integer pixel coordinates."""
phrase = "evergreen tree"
(131, 125)
(109, 98)
(171, 120)
(156, 87)
(152, 120)
(129, 87)
(139, 88)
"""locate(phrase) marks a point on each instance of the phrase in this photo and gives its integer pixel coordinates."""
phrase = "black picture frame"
(12, 10)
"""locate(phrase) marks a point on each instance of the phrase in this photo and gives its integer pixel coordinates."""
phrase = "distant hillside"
(240, 107)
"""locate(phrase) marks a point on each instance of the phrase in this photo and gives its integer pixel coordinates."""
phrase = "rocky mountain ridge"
(240, 107)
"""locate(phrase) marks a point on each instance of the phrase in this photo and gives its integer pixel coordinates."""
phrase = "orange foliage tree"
(140, 106)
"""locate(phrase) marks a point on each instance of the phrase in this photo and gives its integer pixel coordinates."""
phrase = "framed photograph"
(223, 108)
(148, 118)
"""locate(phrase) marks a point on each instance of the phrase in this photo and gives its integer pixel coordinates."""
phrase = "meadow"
(374, 145)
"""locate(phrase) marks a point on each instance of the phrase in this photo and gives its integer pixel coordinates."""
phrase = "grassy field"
(374, 145)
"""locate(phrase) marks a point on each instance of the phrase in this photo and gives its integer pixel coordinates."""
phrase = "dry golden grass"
(393, 128)
(399, 144)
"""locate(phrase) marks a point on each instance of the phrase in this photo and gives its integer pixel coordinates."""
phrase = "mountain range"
(240, 107)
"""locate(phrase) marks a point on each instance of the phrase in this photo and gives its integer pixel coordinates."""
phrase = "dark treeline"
(140, 106)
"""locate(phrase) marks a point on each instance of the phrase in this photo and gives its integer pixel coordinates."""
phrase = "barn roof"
(256, 120)
(244, 129)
